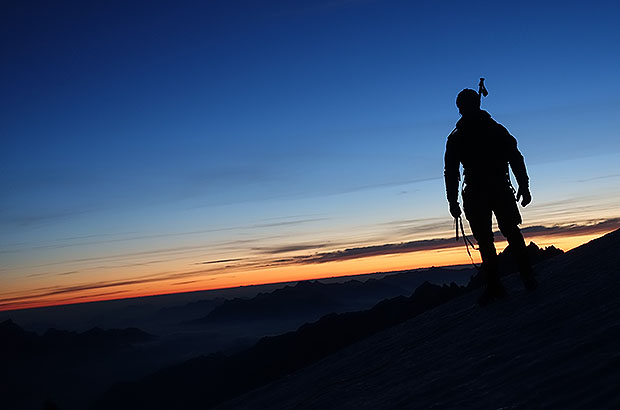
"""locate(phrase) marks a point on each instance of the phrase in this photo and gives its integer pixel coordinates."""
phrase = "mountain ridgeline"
(309, 300)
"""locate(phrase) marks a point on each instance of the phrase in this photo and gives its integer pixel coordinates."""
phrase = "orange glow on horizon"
(289, 273)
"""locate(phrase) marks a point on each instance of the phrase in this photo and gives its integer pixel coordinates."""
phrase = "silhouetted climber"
(486, 148)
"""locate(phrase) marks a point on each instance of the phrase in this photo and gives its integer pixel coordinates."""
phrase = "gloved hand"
(455, 209)
(525, 193)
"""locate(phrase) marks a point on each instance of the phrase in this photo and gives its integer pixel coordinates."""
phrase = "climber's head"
(468, 101)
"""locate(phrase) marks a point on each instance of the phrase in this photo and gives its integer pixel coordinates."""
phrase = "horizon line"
(582, 233)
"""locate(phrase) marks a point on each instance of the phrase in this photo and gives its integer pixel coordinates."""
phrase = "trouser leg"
(478, 210)
(519, 251)
(479, 216)
(490, 267)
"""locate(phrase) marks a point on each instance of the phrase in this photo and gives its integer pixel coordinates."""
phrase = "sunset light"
(209, 147)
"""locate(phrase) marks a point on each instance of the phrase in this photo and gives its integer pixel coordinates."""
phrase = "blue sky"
(140, 126)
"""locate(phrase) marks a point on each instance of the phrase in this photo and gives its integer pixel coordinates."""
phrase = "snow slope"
(555, 348)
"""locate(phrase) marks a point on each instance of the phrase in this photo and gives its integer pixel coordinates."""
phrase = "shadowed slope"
(553, 348)
(206, 381)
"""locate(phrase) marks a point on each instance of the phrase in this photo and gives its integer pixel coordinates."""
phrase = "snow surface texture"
(555, 348)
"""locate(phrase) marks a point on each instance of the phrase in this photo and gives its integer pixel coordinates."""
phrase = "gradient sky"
(156, 147)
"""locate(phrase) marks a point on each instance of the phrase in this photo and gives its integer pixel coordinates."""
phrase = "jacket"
(486, 149)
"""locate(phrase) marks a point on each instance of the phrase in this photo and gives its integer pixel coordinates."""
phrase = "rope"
(467, 241)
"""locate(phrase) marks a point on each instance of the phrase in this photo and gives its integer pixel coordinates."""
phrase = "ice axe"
(482, 90)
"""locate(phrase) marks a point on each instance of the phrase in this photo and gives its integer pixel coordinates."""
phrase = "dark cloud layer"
(219, 261)
(376, 250)
(591, 227)
(290, 248)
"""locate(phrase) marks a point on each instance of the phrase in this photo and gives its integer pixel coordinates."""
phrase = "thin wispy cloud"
(219, 261)
(289, 248)
(97, 295)
(187, 282)
(23, 218)
(379, 185)
(599, 178)
(73, 272)
(288, 223)
(36, 275)
(88, 240)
